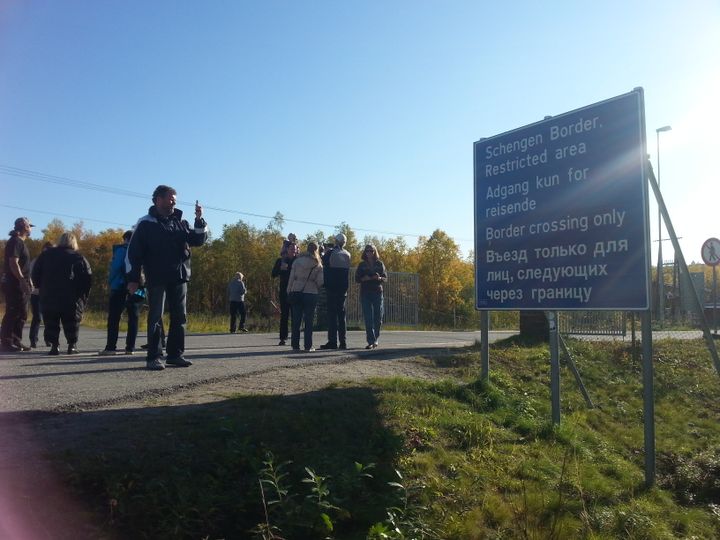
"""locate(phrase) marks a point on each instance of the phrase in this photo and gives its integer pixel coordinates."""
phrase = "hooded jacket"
(161, 246)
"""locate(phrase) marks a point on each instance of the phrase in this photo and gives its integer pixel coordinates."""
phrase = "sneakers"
(54, 350)
(180, 361)
(343, 346)
(72, 349)
(33, 344)
(155, 364)
(129, 352)
(243, 329)
(14, 347)
(107, 352)
(328, 346)
(372, 346)
(311, 349)
(282, 342)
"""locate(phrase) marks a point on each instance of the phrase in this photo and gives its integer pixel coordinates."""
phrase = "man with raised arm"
(160, 246)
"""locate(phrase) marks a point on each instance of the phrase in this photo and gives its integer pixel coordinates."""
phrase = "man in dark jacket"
(64, 278)
(16, 287)
(160, 246)
(337, 271)
(282, 270)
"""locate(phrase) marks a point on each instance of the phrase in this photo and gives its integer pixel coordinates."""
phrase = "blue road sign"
(561, 218)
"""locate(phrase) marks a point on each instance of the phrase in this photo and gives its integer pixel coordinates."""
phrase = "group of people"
(57, 284)
(153, 264)
(303, 275)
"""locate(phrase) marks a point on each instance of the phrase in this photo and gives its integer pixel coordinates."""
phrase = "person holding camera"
(371, 274)
(336, 266)
(160, 246)
(281, 269)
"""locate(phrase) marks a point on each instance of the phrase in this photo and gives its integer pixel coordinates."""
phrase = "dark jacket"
(373, 285)
(15, 247)
(161, 245)
(64, 278)
(284, 275)
(336, 266)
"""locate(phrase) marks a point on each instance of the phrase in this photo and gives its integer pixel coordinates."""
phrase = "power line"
(81, 184)
(34, 211)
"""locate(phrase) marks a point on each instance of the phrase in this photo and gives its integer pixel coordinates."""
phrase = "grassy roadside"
(210, 322)
(402, 458)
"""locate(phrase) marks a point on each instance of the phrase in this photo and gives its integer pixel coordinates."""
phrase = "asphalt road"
(34, 381)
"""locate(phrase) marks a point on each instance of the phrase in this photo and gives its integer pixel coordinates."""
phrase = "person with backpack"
(120, 300)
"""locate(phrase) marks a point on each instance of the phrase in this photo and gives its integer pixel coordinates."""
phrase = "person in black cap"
(16, 286)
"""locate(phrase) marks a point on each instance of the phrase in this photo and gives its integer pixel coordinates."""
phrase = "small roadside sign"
(711, 252)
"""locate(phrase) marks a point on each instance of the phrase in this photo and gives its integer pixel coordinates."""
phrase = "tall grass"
(403, 458)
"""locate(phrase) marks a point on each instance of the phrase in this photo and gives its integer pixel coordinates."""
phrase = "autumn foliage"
(446, 278)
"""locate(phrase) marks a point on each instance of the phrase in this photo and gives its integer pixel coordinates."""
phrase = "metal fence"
(400, 298)
(598, 323)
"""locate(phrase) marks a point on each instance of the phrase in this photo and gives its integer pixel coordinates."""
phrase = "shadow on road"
(195, 469)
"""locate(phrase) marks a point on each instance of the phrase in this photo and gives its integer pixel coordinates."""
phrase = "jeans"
(284, 315)
(303, 311)
(120, 300)
(372, 306)
(337, 326)
(15, 313)
(176, 294)
(237, 308)
(36, 318)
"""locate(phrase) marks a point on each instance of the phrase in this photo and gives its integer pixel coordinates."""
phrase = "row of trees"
(446, 278)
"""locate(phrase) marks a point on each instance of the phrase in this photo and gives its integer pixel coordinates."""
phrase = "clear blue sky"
(363, 112)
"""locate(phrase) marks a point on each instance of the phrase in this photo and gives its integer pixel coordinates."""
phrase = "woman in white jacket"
(306, 278)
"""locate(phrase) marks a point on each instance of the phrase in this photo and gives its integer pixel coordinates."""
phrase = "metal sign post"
(710, 253)
(554, 367)
(648, 399)
(485, 345)
(561, 217)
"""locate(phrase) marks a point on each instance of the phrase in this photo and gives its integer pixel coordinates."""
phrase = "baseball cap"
(21, 221)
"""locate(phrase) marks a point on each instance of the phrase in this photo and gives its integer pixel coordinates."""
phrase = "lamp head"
(664, 128)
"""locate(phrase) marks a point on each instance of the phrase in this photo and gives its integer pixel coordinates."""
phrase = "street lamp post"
(661, 284)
